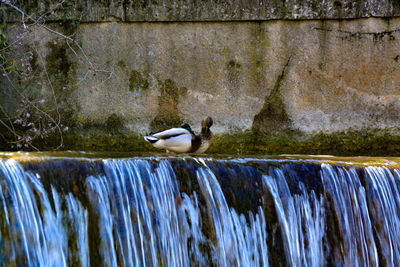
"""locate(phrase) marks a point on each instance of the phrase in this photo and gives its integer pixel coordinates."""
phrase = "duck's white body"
(183, 140)
(177, 140)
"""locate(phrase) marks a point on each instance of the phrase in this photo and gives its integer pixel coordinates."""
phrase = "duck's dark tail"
(151, 139)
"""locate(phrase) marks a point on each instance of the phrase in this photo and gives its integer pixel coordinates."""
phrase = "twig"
(36, 22)
(48, 79)
(73, 46)
(35, 107)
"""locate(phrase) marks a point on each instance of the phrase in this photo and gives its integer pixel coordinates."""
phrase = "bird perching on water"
(184, 140)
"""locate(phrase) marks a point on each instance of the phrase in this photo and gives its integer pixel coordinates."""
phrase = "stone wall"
(204, 10)
(256, 71)
(326, 76)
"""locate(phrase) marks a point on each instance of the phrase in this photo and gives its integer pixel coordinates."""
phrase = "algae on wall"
(272, 86)
(204, 10)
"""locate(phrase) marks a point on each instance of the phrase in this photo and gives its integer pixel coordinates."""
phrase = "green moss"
(63, 78)
(234, 72)
(372, 143)
(121, 64)
(351, 143)
(232, 65)
(114, 122)
(273, 115)
(57, 62)
(137, 81)
(99, 141)
(168, 113)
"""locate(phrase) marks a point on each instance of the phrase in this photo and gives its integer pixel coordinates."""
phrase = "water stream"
(172, 211)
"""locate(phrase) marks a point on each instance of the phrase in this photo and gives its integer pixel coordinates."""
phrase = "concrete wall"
(301, 76)
(335, 75)
(204, 10)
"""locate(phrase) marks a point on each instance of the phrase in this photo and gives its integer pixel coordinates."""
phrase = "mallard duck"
(183, 139)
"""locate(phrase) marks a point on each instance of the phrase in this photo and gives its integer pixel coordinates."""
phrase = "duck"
(183, 139)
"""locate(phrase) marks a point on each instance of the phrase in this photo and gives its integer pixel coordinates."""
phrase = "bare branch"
(36, 108)
(36, 22)
(43, 123)
(48, 79)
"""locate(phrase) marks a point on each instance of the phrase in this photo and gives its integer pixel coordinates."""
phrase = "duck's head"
(187, 127)
(206, 124)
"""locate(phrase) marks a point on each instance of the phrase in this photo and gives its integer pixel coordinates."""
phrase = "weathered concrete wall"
(203, 10)
(335, 75)
(278, 77)
(324, 75)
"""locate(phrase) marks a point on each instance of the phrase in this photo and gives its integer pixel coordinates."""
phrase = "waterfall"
(301, 220)
(349, 200)
(198, 212)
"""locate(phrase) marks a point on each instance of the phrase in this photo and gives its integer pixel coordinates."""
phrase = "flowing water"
(170, 211)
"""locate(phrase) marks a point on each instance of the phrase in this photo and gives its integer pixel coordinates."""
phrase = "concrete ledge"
(200, 10)
(351, 143)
